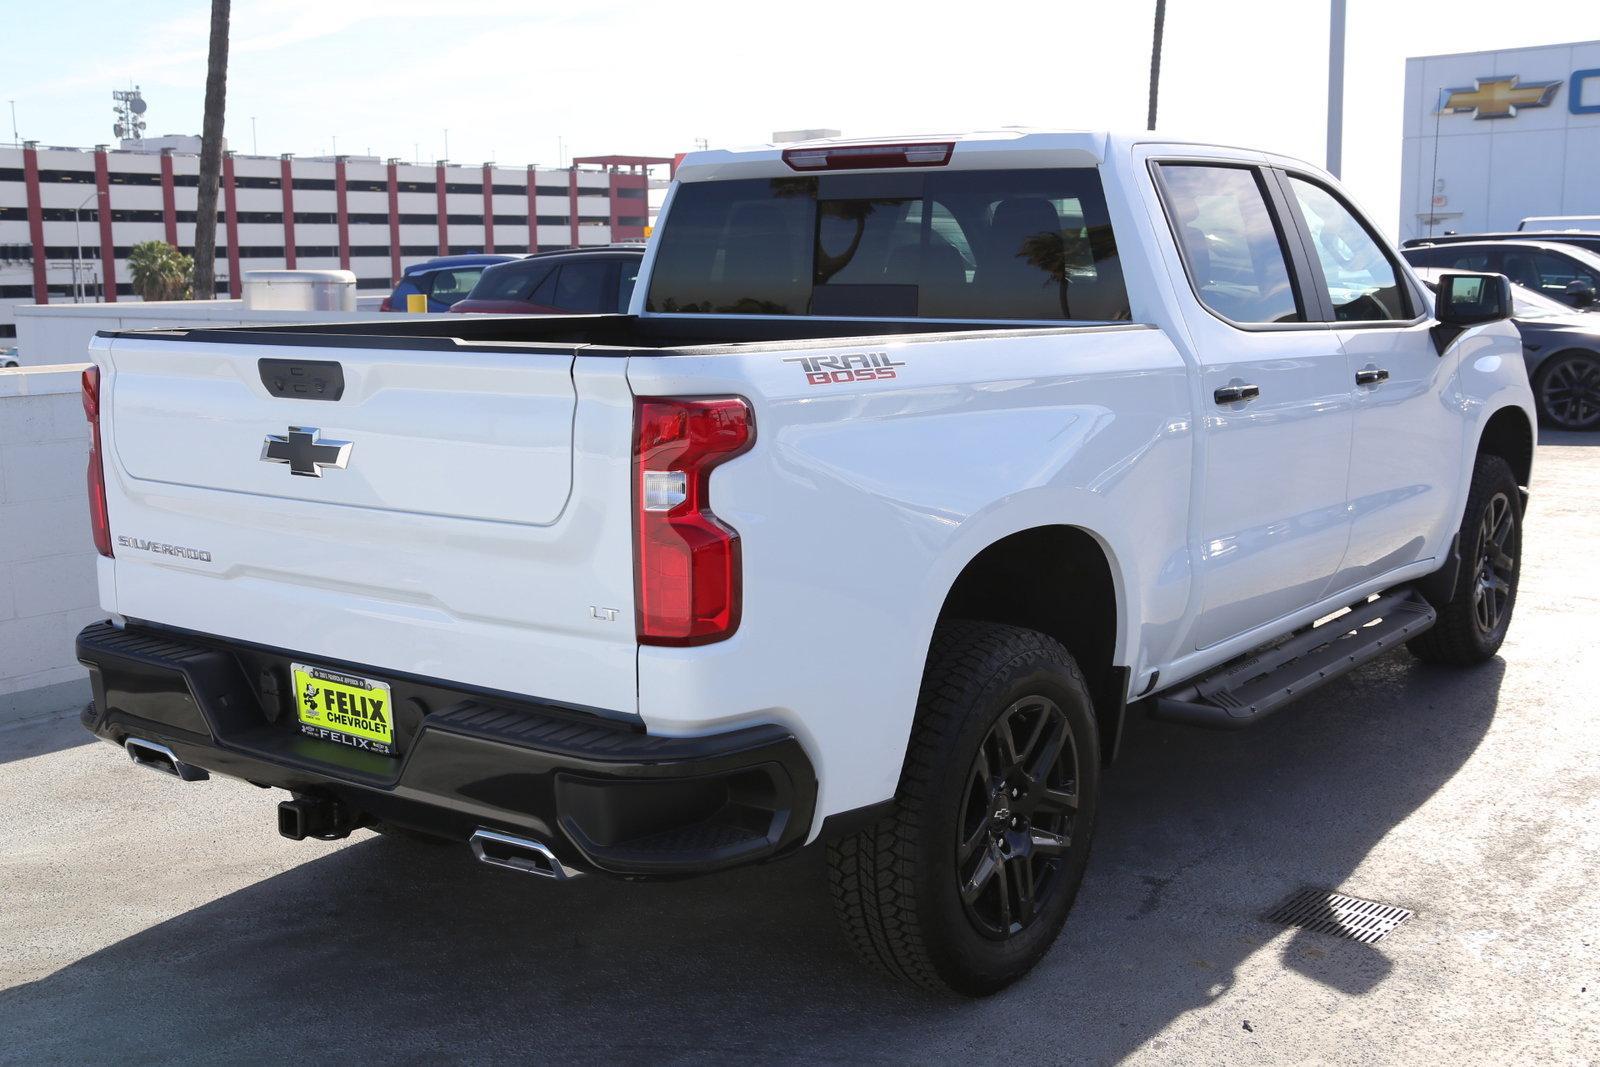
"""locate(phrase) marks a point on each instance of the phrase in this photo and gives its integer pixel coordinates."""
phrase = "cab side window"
(1363, 282)
(1232, 247)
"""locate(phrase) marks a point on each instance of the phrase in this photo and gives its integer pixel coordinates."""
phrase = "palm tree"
(1155, 62)
(205, 223)
(160, 272)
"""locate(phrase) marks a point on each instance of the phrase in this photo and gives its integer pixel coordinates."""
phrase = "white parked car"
(914, 465)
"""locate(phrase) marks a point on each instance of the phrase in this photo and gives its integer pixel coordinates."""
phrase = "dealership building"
(1494, 137)
(69, 217)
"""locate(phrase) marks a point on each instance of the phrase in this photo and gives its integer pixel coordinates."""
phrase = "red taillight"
(686, 561)
(97, 475)
(863, 156)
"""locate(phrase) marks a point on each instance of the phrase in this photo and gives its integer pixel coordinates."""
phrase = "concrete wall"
(47, 557)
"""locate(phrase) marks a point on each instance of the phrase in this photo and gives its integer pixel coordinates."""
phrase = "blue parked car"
(444, 280)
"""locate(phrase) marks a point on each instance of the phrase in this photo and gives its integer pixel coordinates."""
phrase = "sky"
(538, 82)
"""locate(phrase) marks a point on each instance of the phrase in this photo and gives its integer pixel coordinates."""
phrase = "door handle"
(1230, 394)
(1371, 376)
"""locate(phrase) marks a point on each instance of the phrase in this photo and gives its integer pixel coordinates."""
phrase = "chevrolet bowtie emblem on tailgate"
(304, 454)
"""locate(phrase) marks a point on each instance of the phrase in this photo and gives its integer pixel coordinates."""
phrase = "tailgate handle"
(302, 379)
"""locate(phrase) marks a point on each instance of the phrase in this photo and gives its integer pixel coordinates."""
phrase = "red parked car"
(573, 282)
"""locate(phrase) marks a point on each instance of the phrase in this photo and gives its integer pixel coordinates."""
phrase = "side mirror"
(1472, 299)
(1465, 300)
(1580, 294)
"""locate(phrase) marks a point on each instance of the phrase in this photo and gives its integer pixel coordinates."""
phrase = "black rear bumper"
(603, 795)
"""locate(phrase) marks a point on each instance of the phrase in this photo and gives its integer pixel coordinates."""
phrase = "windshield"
(1030, 245)
(1527, 304)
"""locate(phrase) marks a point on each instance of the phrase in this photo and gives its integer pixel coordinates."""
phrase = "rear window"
(1022, 244)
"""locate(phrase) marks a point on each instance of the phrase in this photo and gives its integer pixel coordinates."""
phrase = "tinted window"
(1232, 248)
(630, 277)
(581, 287)
(1546, 272)
(1447, 257)
(1363, 283)
(1033, 244)
(513, 282)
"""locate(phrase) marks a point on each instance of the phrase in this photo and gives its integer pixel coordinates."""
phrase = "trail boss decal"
(341, 707)
(841, 370)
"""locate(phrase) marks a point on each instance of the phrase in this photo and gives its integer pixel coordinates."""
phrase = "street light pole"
(1335, 87)
(77, 259)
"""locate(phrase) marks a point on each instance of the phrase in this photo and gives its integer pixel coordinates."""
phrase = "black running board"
(1244, 691)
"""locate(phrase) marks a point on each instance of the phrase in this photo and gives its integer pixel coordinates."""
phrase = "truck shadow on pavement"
(389, 950)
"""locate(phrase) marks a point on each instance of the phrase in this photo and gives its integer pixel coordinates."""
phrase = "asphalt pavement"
(142, 919)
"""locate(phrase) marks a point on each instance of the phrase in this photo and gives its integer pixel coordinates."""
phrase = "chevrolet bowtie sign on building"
(1492, 138)
(1499, 98)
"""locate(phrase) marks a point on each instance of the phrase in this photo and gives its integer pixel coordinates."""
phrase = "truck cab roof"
(967, 150)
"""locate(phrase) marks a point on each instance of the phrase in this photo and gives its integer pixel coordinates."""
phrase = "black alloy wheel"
(1496, 566)
(1017, 817)
(1569, 391)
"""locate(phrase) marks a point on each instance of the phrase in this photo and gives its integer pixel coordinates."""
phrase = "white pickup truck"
(913, 465)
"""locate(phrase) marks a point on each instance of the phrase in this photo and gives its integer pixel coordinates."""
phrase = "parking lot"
(143, 919)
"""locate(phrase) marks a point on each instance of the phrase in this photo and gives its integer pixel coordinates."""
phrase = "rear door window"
(510, 282)
(1448, 257)
(583, 287)
(629, 269)
(1032, 245)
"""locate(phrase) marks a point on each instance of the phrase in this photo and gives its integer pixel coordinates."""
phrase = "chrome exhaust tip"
(518, 854)
(159, 757)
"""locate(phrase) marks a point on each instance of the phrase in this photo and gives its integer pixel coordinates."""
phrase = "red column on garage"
(108, 250)
(341, 201)
(444, 218)
(533, 209)
(231, 207)
(169, 198)
(30, 179)
(286, 178)
(394, 223)
(488, 207)
(572, 202)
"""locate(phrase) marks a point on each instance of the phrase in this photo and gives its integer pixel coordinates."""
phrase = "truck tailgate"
(435, 519)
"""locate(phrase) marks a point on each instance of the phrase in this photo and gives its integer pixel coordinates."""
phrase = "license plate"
(344, 708)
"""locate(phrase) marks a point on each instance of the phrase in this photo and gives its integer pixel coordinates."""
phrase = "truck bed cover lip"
(348, 335)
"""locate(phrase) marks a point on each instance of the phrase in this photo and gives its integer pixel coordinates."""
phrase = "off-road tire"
(1459, 637)
(896, 885)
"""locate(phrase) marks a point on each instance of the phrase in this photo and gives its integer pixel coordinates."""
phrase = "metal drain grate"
(1334, 913)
